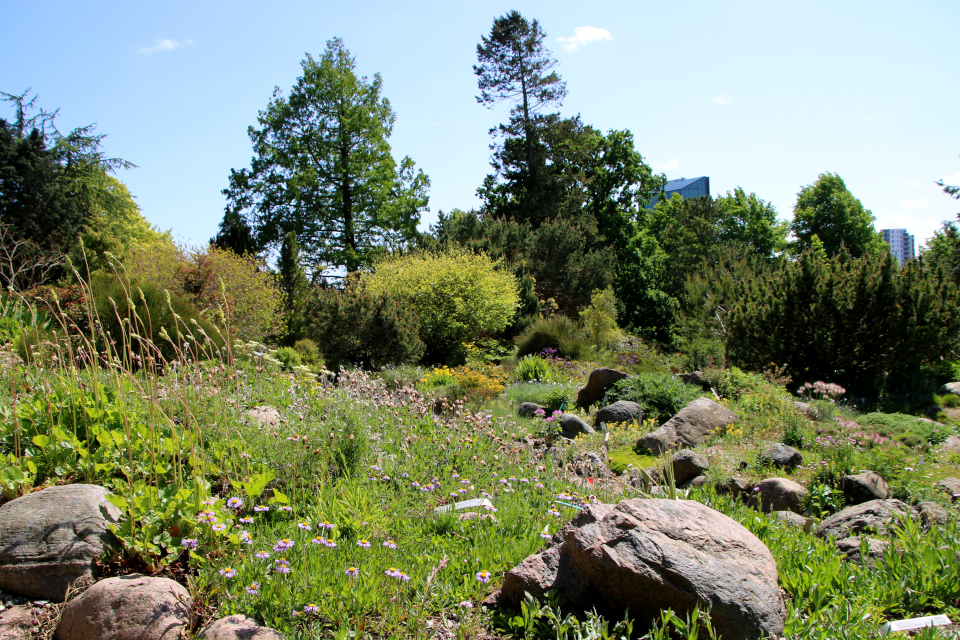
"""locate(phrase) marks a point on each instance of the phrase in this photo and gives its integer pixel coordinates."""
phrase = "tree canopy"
(826, 209)
(323, 168)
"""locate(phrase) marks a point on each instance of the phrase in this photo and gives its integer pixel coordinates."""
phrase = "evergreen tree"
(515, 66)
(323, 169)
(294, 285)
(844, 319)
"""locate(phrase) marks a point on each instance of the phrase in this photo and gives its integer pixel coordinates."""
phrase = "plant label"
(466, 504)
(914, 623)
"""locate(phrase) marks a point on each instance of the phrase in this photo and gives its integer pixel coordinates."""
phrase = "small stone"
(779, 494)
(529, 409)
(687, 464)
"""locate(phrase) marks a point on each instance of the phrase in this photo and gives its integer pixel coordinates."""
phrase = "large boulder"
(620, 412)
(598, 384)
(646, 555)
(950, 387)
(864, 487)
(779, 494)
(781, 455)
(572, 425)
(691, 426)
(873, 516)
(50, 538)
(529, 409)
(237, 627)
(130, 607)
(687, 465)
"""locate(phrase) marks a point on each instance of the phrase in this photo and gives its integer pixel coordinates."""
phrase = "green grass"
(358, 453)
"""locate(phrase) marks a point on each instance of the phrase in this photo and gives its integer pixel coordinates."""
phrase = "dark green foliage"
(943, 250)
(158, 323)
(844, 320)
(556, 332)
(235, 234)
(294, 284)
(36, 203)
(356, 327)
(659, 396)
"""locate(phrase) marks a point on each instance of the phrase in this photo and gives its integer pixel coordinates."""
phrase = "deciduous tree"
(826, 209)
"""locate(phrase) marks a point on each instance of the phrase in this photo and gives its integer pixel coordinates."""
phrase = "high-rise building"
(687, 187)
(901, 244)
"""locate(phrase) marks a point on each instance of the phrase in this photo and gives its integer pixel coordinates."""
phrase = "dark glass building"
(686, 187)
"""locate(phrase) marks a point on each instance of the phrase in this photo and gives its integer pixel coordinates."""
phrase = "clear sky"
(764, 95)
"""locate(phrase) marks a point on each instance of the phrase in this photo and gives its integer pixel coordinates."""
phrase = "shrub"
(289, 357)
(659, 396)
(558, 398)
(358, 326)
(843, 319)
(532, 367)
(556, 332)
(218, 282)
(167, 324)
(542, 393)
(456, 295)
(910, 430)
(399, 376)
(308, 351)
(732, 382)
(951, 400)
(599, 319)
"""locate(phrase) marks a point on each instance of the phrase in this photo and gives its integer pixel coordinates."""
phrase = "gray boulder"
(529, 409)
(864, 487)
(130, 607)
(951, 486)
(687, 464)
(620, 412)
(571, 426)
(646, 555)
(952, 443)
(806, 409)
(791, 518)
(697, 481)
(695, 378)
(237, 627)
(781, 455)
(779, 494)
(735, 486)
(49, 539)
(932, 514)
(852, 550)
(950, 387)
(691, 426)
(874, 516)
(598, 384)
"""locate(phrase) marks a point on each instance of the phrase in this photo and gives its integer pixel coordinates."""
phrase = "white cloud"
(952, 180)
(721, 100)
(583, 35)
(670, 165)
(164, 44)
(915, 204)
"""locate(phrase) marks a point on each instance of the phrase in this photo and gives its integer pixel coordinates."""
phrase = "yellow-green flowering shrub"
(456, 295)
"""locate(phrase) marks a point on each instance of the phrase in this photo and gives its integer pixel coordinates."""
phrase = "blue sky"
(763, 95)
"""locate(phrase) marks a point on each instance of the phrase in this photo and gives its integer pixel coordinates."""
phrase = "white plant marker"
(914, 623)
